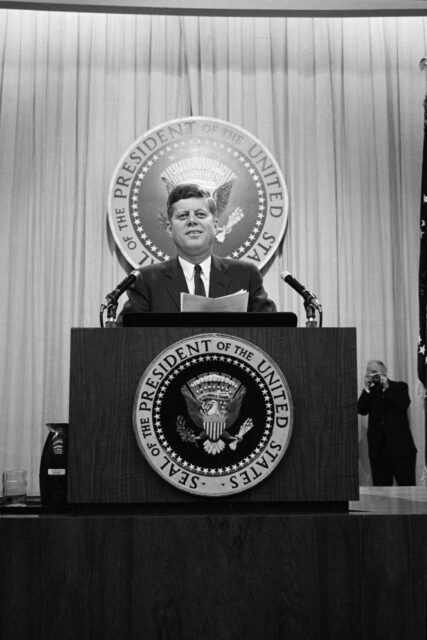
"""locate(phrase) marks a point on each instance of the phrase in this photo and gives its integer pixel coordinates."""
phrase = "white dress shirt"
(188, 269)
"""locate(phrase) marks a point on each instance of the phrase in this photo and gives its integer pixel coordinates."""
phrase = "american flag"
(422, 287)
(422, 281)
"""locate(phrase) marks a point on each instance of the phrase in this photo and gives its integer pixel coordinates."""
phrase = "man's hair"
(184, 191)
(380, 364)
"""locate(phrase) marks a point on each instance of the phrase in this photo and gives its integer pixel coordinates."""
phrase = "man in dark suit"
(392, 452)
(192, 224)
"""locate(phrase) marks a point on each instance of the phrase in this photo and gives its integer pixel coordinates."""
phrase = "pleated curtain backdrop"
(338, 102)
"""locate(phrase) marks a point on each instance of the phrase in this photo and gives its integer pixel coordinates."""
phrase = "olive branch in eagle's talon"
(186, 433)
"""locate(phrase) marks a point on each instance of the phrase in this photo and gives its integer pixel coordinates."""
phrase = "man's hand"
(384, 381)
(376, 380)
(367, 382)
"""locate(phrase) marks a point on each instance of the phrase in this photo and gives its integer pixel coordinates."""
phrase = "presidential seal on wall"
(213, 414)
(230, 163)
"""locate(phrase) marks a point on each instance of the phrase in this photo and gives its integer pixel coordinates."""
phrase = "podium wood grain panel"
(277, 577)
(106, 465)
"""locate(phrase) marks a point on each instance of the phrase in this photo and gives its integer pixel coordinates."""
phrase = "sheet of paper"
(235, 302)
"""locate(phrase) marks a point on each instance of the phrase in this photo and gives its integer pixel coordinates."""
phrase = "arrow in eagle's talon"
(246, 426)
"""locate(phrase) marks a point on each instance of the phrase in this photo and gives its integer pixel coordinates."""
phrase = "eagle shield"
(213, 402)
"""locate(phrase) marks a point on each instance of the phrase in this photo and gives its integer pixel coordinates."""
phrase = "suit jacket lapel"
(175, 281)
(219, 279)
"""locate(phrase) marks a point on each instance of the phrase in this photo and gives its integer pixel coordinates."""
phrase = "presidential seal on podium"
(213, 414)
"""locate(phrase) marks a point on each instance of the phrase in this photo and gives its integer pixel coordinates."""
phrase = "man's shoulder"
(398, 383)
(233, 264)
(157, 268)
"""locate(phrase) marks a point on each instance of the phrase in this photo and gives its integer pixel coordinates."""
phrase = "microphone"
(309, 298)
(111, 298)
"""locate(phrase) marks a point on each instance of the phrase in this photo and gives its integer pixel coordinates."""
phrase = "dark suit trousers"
(385, 468)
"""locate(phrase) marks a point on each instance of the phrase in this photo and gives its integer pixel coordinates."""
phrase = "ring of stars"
(213, 359)
(169, 149)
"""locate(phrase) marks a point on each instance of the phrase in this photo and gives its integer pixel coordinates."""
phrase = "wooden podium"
(319, 466)
(151, 561)
(271, 562)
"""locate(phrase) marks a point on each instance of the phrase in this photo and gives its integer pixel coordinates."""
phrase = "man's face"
(192, 228)
(374, 373)
(374, 368)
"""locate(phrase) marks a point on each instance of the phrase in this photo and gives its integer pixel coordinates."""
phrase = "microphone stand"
(111, 306)
(310, 310)
(111, 300)
(111, 315)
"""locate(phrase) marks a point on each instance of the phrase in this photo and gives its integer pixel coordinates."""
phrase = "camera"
(375, 380)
